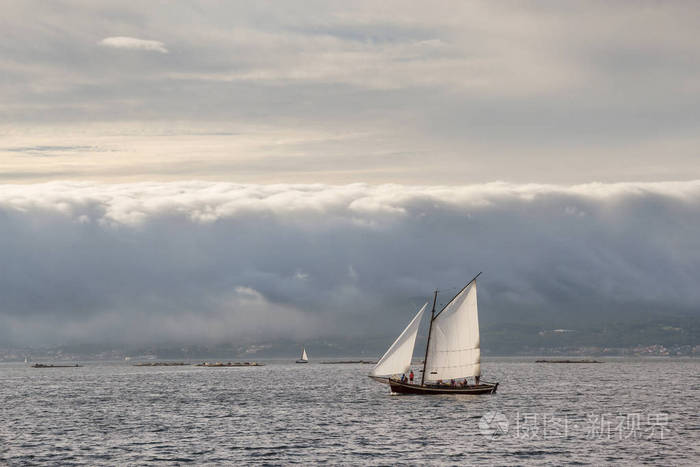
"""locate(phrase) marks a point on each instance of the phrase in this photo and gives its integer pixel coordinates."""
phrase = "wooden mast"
(430, 330)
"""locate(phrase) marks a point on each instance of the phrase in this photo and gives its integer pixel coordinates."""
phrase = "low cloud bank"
(214, 262)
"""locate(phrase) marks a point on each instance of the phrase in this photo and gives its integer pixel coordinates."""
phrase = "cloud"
(445, 93)
(455, 92)
(133, 43)
(210, 262)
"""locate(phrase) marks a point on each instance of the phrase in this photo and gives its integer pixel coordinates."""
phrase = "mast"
(430, 330)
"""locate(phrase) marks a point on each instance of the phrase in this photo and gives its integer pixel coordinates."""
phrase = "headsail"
(303, 354)
(454, 350)
(398, 358)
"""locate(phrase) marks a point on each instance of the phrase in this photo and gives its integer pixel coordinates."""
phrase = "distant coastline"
(167, 356)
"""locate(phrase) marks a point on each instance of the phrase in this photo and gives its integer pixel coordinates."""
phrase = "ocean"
(619, 412)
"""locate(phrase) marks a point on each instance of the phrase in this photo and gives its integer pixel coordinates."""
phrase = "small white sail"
(454, 350)
(303, 355)
(398, 358)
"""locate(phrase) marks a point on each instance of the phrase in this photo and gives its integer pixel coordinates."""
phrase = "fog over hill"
(209, 263)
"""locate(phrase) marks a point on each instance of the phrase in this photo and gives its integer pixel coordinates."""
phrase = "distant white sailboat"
(304, 358)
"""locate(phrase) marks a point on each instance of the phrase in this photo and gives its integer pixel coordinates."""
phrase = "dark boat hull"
(404, 388)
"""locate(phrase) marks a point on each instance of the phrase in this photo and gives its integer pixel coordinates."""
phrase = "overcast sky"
(404, 92)
(212, 171)
(205, 261)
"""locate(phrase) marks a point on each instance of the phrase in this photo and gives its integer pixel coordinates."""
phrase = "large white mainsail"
(303, 355)
(453, 351)
(398, 358)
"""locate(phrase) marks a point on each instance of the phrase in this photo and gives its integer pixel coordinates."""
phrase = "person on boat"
(410, 376)
(452, 382)
(403, 378)
(476, 379)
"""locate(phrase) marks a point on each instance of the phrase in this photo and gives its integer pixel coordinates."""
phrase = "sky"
(402, 92)
(211, 171)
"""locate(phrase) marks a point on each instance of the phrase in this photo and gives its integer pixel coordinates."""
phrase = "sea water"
(617, 412)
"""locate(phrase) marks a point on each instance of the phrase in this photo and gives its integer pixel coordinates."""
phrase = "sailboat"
(452, 353)
(304, 358)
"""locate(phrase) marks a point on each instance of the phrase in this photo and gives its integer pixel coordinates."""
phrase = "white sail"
(303, 355)
(398, 358)
(453, 351)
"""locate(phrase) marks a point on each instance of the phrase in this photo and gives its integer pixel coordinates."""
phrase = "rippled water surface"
(618, 412)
